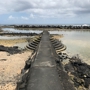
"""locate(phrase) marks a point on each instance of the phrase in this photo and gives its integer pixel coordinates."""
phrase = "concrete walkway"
(43, 74)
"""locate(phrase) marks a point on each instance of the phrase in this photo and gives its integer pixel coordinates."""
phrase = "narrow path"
(43, 73)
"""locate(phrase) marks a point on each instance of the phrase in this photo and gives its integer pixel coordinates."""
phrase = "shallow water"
(21, 45)
(20, 30)
(77, 42)
(13, 30)
(13, 37)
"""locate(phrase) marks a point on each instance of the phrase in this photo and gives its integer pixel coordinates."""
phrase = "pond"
(77, 42)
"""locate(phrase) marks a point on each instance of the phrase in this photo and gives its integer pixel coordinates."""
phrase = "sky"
(44, 11)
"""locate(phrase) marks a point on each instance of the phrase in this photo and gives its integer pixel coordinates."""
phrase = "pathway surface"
(43, 73)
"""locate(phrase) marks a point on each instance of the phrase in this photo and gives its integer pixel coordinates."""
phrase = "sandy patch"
(12, 42)
(10, 68)
(57, 36)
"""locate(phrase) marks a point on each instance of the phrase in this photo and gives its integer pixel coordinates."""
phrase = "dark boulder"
(11, 50)
(80, 70)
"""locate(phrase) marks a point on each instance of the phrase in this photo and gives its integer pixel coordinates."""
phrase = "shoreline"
(10, 69)
(52, 29)
(46, 28)
(11, 64)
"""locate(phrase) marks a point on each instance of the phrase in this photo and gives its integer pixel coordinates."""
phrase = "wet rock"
(87, 82)
(69, 68)
(3, 59)
(62, 56)
(80, 70)
(52, 26)
(10, 50)
(78, 82)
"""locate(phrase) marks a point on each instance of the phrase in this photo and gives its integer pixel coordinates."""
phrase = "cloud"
(22, 5)
(11, 17)
(24, 18)
(32, 16)
(46, 8)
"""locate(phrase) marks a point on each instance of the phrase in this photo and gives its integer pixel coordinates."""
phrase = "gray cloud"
(22, 5)
(47, 8)
(82, 12)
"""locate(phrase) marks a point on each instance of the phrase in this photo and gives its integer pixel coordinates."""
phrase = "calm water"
(77, 42)
(20, 30)
(12, 30)
(13, 37)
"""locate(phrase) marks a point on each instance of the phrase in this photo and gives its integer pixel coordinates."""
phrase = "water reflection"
(20, 30)
(21, 45)
(77, 42)
(13, 37)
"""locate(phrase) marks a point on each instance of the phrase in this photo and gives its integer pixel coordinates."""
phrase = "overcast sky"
(44, 11)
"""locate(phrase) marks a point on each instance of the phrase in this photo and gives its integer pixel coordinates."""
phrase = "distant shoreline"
(61, 27)
(49, 29)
